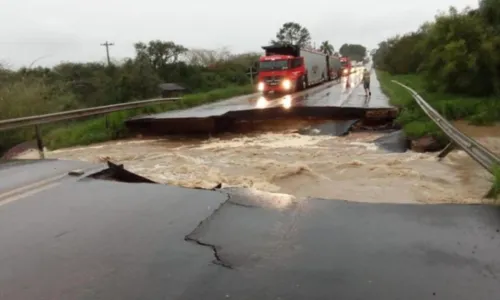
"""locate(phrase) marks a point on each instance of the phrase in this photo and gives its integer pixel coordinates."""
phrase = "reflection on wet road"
(332, 94)
(331, 101)
(359, 99)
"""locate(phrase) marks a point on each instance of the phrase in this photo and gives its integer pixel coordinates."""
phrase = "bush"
(478, 110)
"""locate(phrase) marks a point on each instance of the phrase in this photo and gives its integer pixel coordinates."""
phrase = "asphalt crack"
(218, 260)
(215, 249)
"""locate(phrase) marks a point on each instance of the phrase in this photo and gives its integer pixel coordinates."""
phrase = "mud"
(350, 168)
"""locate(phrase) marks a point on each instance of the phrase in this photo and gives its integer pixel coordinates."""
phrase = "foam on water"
(348, 168)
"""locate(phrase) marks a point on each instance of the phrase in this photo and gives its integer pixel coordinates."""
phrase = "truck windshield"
(273, 65)
(343, 63)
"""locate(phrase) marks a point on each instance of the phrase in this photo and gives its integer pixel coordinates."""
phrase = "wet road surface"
(330, 101)
(21, 173)
(358, 98)
(328, 94)
(93, 239)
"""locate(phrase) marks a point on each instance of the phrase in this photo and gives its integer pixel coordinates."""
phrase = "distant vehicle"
(345, 65)
(286, 69)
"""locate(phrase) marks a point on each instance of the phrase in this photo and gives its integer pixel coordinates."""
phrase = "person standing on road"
(366, 82)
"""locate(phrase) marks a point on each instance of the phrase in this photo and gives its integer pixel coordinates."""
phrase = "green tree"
(160, 53)
(457, 53)
(353, 51)
(292, 33)
(463, 55)
(490, 11)
(327, 48)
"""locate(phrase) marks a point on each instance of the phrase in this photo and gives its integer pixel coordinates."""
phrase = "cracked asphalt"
(97, 239)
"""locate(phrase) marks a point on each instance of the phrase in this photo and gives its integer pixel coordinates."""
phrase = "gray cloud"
(61, 30)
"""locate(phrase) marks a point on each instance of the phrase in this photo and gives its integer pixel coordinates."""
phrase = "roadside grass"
(415, 123)
(94, 130)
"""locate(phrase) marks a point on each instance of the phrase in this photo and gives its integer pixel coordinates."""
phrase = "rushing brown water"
(470, 172)
(348, 168)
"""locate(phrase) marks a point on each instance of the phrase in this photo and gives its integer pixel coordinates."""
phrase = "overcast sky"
(50, 31)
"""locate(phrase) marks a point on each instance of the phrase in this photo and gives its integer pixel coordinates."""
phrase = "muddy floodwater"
(346, 168)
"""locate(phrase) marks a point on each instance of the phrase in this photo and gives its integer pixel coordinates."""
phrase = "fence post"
(39, 142)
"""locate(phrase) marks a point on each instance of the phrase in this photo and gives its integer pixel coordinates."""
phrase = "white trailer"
(316, 66)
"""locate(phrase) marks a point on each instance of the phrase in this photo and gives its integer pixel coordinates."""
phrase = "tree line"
(70, 85)
(292, 33)
(458, 52)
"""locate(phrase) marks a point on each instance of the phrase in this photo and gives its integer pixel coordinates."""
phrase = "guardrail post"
(450, 147)
(39, 142)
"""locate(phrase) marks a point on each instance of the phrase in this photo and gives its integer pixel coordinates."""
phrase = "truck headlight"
(260, 86)
(345, 71)
(287, 84)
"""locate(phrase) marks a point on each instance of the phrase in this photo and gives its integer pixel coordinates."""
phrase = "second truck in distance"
(287, 69)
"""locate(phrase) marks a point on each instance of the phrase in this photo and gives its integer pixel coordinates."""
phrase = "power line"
(107, 44)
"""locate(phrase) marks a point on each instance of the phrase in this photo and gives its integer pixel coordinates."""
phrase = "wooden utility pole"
(107, 44)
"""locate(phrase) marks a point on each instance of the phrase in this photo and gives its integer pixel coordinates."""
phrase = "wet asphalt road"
(343, 101)
(93, 239)
(346, 93)
(16, 174)
(358, 99)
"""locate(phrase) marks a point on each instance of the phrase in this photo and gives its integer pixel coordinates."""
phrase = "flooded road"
(346, 168)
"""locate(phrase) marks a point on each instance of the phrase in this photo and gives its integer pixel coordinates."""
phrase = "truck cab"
(281, 70)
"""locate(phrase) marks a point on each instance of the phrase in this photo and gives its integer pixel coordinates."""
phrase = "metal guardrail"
(78, 113)
(74, 114)
(478, 152)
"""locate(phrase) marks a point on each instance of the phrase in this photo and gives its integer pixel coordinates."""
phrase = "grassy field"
(94, 130)
(478, 111)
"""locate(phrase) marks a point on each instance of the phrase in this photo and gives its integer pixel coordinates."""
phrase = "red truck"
(287, 69)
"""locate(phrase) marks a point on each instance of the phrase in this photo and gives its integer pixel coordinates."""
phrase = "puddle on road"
(348, 168)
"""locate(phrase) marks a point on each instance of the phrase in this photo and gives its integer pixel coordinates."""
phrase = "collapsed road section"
(325, 102)
(303, 159)
(104, 239)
